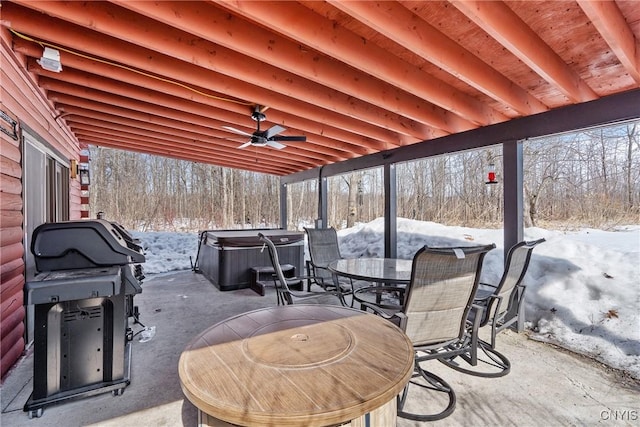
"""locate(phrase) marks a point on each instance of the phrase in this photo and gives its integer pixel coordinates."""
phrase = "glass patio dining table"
(391, 271)
(383, 273)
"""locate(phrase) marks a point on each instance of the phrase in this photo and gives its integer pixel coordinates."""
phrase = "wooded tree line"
(590, 178)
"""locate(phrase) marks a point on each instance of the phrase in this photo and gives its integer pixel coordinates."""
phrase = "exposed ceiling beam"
(322, 146)
(173, 70)
(258, 43)
(164, 93)
(610, 23)
(114, 132)
(182, 137)
(498, 20)
(349, 143)
(130, 107)
(105, 140)
(152, 36)
(363, 81)
(407, 29)
(313, 30)
(92, 109)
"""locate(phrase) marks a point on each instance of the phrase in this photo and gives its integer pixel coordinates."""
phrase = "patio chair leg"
(433, 383)
(488, 357)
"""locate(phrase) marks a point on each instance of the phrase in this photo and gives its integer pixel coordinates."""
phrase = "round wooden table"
(298, 365)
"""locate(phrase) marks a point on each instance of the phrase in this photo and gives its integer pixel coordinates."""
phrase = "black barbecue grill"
(88, 273)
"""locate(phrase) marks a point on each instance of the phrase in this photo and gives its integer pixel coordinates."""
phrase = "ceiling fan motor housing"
(258, 140)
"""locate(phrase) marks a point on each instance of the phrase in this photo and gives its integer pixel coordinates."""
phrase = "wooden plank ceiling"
(355, 78)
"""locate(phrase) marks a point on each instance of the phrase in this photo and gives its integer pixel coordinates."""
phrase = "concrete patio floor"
(547, 386)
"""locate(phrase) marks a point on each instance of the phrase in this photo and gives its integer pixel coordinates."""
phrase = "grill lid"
(83, 244)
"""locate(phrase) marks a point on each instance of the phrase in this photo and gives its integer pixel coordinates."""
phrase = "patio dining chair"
(323, 249)
(503, 307)
(437, 303)
(284, 285)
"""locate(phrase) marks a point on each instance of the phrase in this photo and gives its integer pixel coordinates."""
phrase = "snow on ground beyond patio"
(583, 287)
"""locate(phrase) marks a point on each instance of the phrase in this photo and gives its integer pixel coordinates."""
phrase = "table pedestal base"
(382, 416)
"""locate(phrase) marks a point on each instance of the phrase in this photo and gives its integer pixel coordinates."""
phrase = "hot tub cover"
(248, 238)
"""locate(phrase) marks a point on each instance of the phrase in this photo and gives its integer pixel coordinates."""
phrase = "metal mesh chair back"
(323, 249)
(440, 294)
(283, 284)
(516, 266)
(502, 306)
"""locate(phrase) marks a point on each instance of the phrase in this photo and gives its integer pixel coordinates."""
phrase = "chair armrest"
(477, 308)
(378, 307)
(483, 296)
(483, 299)
(379, 289)
(387, 311)
(477, 317)
(403, 320)
(326, 285)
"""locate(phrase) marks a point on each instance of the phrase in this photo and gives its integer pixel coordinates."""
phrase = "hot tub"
(225, 257)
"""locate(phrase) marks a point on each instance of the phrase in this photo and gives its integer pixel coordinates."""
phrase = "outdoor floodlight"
(50, 60)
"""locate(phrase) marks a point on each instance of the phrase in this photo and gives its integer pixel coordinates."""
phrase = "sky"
(583, 285)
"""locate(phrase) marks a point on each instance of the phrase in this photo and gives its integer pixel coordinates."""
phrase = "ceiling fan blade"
(246, 144)
(275, 145)
(238, 131)
(274, 130)
(300, 138)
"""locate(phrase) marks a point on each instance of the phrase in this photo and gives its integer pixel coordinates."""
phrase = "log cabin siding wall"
(11, 252)
(23, 101)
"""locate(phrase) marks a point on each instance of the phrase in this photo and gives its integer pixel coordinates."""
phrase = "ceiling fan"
(267, 137)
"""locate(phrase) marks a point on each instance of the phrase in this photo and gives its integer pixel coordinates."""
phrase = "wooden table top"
(311, 365)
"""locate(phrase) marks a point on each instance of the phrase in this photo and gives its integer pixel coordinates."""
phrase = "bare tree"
(353, 182)
(632, 142)
(590, 177)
